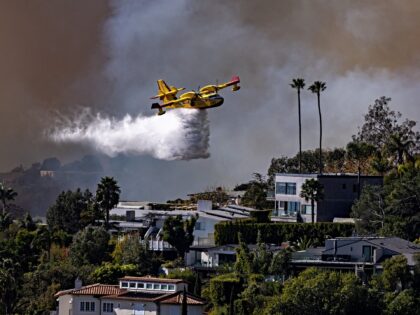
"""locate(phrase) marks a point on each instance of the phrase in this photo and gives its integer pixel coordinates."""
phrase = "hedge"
(223, 287)
(275, 233)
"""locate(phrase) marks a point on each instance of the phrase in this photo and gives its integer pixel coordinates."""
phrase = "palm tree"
(107, 196)
(299, 84)
(317, 87)
(401, 148)
(312, 190)
(6, 194)
(5, 220)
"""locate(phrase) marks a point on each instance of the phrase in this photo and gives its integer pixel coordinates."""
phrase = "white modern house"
(132, 296)
(340, 191)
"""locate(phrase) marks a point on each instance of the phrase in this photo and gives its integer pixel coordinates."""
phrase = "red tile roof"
(93, 289)
(178, 297)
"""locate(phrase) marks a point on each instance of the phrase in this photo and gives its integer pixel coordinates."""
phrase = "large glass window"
(284, 188)
(293, 206)
(289, 206)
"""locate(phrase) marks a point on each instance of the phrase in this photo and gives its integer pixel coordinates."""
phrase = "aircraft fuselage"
(199, 101)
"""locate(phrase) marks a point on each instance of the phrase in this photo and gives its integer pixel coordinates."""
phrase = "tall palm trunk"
(300, 135)
(320, 133)
(313, 210)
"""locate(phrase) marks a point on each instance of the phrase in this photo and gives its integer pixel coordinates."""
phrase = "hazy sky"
(59, 56)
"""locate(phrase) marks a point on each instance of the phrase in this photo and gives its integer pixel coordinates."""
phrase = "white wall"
(64, 305)
(70, 304)
(170, 309)
(128, 307)
(299, 180)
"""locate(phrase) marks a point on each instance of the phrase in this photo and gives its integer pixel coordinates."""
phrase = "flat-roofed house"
(339, 190)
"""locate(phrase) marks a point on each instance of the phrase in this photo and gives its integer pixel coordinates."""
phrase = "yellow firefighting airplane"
(206, 97)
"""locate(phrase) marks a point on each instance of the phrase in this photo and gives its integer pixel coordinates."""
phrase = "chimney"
(78, 283)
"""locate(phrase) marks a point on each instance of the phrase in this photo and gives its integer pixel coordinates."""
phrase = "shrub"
(223, 288)
(275, 233)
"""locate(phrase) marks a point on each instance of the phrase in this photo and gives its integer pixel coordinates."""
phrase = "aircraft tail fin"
(235, 81)
(166, 93)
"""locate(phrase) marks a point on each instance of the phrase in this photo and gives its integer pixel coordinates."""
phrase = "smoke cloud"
(181, 134)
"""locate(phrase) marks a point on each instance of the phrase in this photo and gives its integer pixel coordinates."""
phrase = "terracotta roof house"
(133, 295)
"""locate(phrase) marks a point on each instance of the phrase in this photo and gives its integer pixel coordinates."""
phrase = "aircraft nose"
(220, 100)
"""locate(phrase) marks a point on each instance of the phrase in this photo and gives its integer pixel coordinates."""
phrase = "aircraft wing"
(176, 101)
(233, 82)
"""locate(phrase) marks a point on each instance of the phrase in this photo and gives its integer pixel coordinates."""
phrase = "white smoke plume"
(181, 134)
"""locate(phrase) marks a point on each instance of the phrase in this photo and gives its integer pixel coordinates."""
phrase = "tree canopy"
(179, 233)
(107, 196)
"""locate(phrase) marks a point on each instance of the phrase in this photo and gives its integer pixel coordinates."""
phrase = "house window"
(132, 285)
(293, 206)
(156, 286)
(285, 188)
(87, 306)
(164, 287)
(171, 287)
(108, 307)
(306, 209)
(124, 284)
(367, 253)
(199, 226)
(140, 285)
(149, 286)
(289, 206)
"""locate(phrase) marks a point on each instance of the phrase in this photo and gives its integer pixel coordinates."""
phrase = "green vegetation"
(391, 210)
(256, 193)
(275, 233)
(250, 290)
(179, 233)
(36, 260)
(107, 196)
(68, 210)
